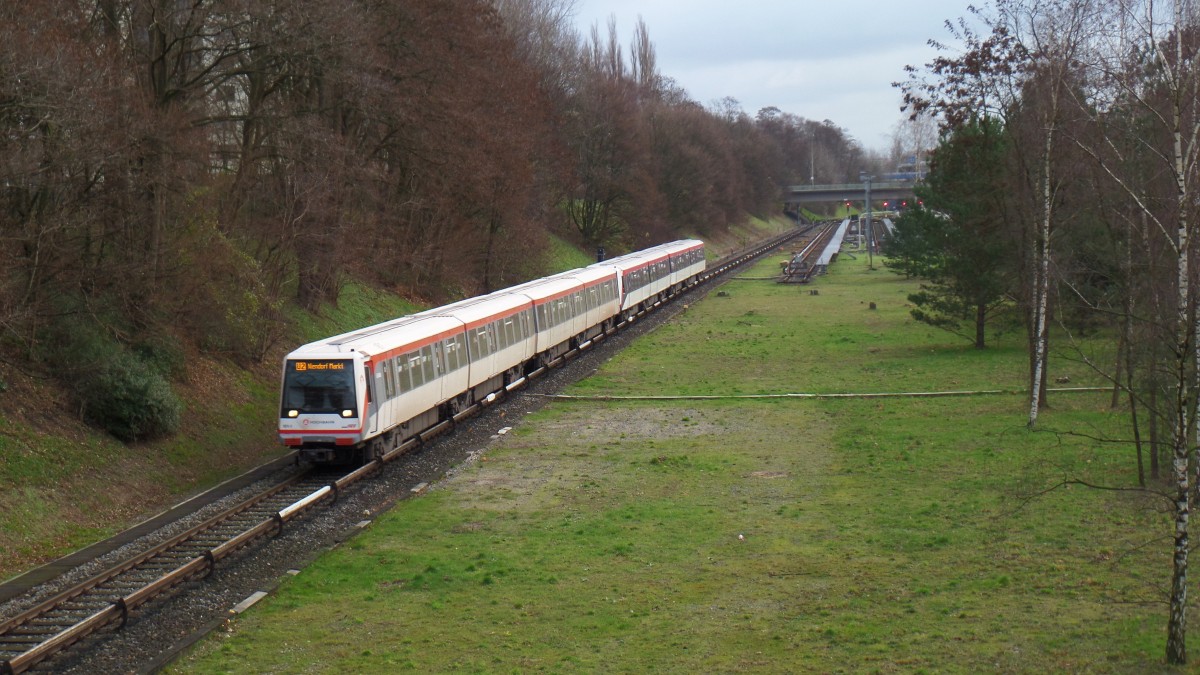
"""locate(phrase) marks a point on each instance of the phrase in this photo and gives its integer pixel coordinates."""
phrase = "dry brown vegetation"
(181, 176)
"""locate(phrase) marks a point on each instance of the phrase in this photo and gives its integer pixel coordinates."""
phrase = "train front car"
(324, 396)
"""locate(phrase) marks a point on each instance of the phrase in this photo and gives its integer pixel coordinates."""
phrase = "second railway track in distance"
(37, 635)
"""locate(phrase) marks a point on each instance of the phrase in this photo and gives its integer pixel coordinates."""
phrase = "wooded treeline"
(1084, 117)
(183, 170)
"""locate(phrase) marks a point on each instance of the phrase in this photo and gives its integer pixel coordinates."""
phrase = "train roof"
(436, 323)
(403, 334)
(541, 290)
(558, 285)
(644, 257)
(677, 246)
(481, 309)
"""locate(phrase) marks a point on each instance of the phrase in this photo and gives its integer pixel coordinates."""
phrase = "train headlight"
(347, 413)
(293, 413)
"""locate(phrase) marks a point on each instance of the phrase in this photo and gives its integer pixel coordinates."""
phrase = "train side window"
(481, 346)
(400, 370)
(453, 354)
(443, 362)
(427, 368)
(389, 385)
(414, 369)
(496, 328)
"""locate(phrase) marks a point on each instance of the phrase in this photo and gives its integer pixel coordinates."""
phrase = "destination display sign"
(305, 366)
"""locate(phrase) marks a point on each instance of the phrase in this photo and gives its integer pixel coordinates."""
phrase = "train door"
(372, 399)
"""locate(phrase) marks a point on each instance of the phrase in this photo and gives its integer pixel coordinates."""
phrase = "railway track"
(800, 267)
(106, 600)
(109, 597)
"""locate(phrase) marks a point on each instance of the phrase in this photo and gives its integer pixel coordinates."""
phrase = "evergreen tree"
(957, 241)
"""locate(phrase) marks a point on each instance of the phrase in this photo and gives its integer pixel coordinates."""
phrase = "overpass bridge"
(851, 192)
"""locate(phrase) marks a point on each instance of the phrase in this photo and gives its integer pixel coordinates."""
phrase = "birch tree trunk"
(1184, 165)
(1042, 287)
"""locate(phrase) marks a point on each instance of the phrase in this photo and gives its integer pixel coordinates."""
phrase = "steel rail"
(25, 626)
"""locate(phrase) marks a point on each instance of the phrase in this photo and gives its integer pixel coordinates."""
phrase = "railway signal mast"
(870, 239)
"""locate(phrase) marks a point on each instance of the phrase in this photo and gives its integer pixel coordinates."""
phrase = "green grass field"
(889, 535)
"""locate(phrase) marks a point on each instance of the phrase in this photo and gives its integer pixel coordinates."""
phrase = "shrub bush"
(129, 399)
(125, 395)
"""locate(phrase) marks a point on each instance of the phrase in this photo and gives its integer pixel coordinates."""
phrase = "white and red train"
(356, 396)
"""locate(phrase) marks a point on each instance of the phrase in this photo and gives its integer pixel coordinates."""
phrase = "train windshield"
(319, 386)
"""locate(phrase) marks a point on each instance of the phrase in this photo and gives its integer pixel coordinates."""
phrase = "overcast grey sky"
(819, 59)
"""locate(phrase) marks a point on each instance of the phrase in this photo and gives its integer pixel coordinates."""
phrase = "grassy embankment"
(755, 535)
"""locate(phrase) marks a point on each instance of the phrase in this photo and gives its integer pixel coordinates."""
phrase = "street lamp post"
(812, 159)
